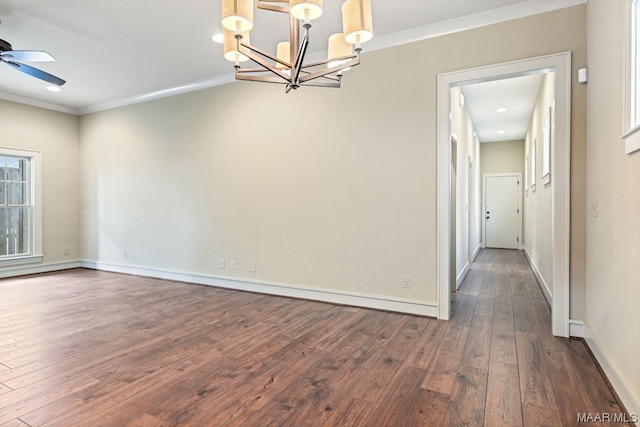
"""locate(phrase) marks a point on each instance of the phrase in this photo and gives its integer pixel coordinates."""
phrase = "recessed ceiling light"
(501, 132)
(218, 38)
(53, 88)
(501, 110)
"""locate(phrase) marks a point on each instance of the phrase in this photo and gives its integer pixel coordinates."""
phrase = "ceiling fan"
(14, 58)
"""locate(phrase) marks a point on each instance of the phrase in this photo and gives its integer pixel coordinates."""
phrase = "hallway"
(532, 377)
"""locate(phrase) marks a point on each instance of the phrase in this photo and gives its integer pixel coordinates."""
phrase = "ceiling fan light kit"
(288, 65)
(14, 58)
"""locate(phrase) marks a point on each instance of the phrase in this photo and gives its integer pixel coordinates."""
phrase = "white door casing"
(559, 63)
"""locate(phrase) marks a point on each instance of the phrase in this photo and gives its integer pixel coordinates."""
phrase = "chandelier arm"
(260, 61)
(263, 53)
(261, 79)
(299, 60)
(325, 62)
(324, 72)
(333, 84)
(294, 39)
(252, 70)
(275, 8)
(268, 5)
(263, 70)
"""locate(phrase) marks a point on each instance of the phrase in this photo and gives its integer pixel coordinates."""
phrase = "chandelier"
(288, 65)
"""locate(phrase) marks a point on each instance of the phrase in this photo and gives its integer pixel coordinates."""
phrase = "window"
(632, 79)
(20, 210)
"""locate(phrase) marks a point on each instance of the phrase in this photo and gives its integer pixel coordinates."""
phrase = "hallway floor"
(532, 377)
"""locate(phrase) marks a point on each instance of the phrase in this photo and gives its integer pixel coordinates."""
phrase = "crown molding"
(38, 103)
(470, 22)
(164, 93)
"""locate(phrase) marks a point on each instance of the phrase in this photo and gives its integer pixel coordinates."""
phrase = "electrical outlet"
(65, 251)
(234, 264)
(124, 253)
(252, 266)
(594, 209)
(406, 283)
(221, 263)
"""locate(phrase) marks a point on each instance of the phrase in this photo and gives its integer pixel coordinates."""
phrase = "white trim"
(631, 132)
(544, 287)
(470, 22)
(630, 128)
(38, 103)
(20, 260)
(632, 141)
(164, 93)
(477, 252)
(37, 269)
(400, 305)
(617, 382)
(462, 275)
(561, 64)
(576, 328)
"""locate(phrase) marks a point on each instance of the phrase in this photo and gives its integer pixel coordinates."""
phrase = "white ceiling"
(113, 52)
(517, 95)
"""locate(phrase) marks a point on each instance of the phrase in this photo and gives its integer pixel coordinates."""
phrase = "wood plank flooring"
(88, 348)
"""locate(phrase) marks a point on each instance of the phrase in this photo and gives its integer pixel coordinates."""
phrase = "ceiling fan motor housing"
(5, 46)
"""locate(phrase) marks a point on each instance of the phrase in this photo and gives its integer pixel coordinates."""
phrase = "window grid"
(15, 206)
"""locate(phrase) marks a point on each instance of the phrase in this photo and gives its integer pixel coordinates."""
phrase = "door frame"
(559, 63)
(518, 175)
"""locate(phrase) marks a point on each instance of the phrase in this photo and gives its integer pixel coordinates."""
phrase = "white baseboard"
(476, 253)
(576, 328)
(462, 275)
(546, 291)
(631, 403)
(324, 295)
(25, 270)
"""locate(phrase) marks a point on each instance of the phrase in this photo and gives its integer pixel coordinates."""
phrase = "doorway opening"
(558, 187)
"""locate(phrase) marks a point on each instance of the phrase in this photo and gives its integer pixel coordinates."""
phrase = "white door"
(502, 211)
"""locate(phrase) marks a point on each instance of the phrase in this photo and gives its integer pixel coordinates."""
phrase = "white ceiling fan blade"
(39, 74)
(27, 56)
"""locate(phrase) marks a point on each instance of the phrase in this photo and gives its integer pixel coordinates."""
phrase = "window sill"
(632, 140)
(30, 259)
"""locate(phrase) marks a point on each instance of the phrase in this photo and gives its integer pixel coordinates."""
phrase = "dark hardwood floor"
(88, 348)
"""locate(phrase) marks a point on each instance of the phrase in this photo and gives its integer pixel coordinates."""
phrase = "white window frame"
(631, 69)
(35, 232)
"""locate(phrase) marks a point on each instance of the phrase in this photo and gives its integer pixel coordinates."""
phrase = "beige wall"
(243, 172)
(537, 203)
(55, 136)
(613, 236)
(343, 198)
(502, 157)
(467, 207)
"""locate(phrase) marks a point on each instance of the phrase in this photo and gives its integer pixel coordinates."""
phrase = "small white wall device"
(583, 75)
